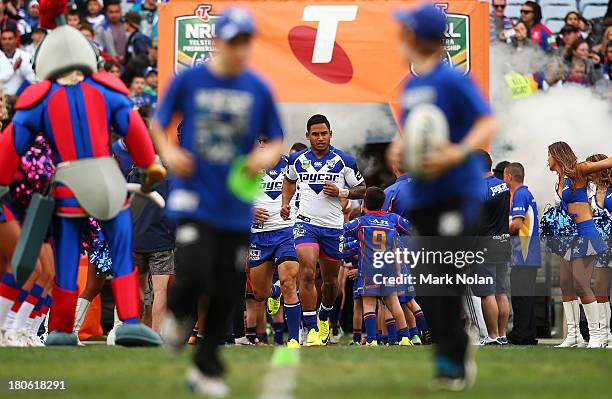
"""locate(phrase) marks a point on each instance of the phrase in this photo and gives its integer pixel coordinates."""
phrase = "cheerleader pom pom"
(100, 256)
(556, 222)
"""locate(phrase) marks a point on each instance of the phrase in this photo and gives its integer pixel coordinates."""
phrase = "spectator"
(113, 67)
(38, 34)
(32, 16)
(579, 50)
(607, 61)
(137, 65)
(499, 23)
(585, 31)
(147, 10)
(553, 75)
(150, 75)
(520, 40)
(88, 31)
(577, 72)
(531, 14)
(567, 36)
(111, 33)
(94, 13)
(525, 259)
(22, 73)
(137, 43)
(137, 92)
(6, 22)
(572, 18)
(606, 38)
(73, 18)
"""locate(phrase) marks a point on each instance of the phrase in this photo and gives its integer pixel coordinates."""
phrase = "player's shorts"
(405, 290)
(327, 240)
(157, 263)
(499, 273)
(276, 245)
(357, 288)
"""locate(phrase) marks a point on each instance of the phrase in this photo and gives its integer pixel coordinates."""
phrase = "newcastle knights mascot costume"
(74, 108)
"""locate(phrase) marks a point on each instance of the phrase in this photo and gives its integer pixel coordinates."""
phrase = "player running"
(225, 109)
(447, 203)
(272, 247)
(377, 232)
(324, 175)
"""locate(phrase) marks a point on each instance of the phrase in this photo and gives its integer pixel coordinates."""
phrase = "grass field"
(97, 371)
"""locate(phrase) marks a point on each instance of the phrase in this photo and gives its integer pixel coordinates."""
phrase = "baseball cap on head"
(426, 21)
(232, 22)
(149, 70)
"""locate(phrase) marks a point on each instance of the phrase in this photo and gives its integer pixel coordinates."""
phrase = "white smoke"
(572, 114)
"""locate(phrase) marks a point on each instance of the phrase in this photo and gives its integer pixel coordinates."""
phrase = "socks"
(279, 329)
(263, 338)
(310, 320)
(324, 311)
(369, 320)
(412, 332)
(275, 291)
(357, 336)
(391, 330)
(10, 317)
(404, 332)
(9, 291)
(336, 313)
(293, 316)
(27, 306)
(420, 320)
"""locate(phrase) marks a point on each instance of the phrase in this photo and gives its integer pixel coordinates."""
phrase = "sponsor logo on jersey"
(318, 163)
(306, 164)
(379, 222)
(254, 254)
(500, 188)
(272, 185)
(319, 178)
(298, 231)
(273, 173)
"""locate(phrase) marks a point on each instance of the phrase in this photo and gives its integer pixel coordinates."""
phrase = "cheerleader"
(23, 309)
(572, 189)
(601, 203)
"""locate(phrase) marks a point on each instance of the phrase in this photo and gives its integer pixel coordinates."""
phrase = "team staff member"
(525, 256)
(324, 175)
(225, 109)
(449, 201)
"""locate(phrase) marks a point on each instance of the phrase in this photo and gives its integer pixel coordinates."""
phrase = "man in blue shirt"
(225, 109)
(446, 202)
(525, 256)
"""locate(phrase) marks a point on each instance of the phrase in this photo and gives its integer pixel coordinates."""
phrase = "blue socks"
(391, 330)
(404, 332)
(324, 312)
(279, 329)
(420, 320)
(413, 331)
(275, 292)
(369, 320)
(310, 320)
(293, 316)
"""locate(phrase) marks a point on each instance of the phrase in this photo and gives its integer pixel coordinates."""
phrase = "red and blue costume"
(76, 121)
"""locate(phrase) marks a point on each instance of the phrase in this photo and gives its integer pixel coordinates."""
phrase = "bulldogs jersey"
(311, 173)
(271, 199)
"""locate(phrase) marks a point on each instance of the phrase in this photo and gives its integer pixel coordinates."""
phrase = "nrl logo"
(193, 38)
(456, 41)
(306, 164)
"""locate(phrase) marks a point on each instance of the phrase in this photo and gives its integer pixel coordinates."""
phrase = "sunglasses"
(498, 6)
(526, 11)
(262, 141)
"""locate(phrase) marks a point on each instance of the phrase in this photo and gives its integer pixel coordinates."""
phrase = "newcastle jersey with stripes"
(311, 173)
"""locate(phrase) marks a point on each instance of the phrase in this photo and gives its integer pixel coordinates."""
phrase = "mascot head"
(64, 49)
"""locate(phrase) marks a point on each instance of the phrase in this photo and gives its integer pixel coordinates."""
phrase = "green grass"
(97, 371)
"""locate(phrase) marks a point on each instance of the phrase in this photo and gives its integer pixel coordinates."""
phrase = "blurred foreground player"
(225, 109)
(446, 201)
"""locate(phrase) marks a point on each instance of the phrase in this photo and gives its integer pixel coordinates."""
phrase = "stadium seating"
(593, 9)
(554, 24)
(558, 10)
(513, 10)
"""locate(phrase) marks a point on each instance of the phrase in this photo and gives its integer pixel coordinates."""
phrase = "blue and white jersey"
(271, 199)
(311, 173)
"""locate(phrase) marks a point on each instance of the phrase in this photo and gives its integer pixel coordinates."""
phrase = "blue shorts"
(328, 241)
(276, 245)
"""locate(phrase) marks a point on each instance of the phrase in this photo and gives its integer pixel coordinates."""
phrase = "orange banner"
(332, 51)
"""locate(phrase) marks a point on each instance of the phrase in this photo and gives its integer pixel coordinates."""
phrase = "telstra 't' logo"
(316, 49)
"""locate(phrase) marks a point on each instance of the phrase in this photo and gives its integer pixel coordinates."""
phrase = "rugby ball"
(425, 128)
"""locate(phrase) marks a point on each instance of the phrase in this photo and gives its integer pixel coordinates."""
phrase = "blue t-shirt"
(462, 104)
(525, 245)
(222, 120)
(393, 198)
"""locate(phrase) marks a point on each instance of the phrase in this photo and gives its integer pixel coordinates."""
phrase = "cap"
(232, 22)
(426, 21)
(149, 70)
(568, 29)
(32, 3)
